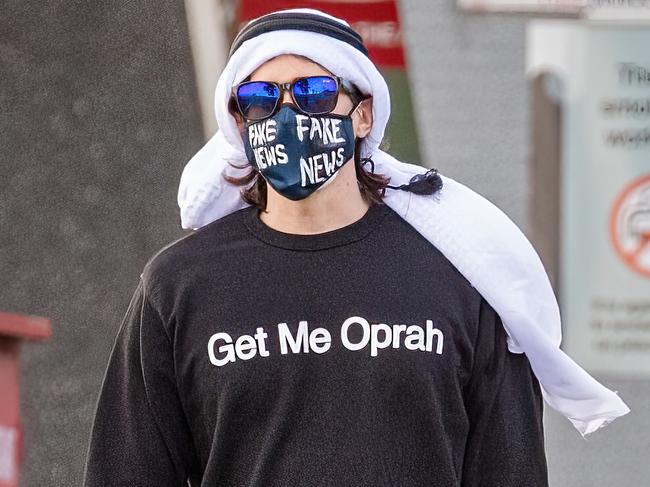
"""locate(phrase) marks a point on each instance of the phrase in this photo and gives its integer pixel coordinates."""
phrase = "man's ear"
(239, 119)
(363, 118)
(232, 108)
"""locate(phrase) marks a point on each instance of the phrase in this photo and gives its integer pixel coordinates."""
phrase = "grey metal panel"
(470, 98)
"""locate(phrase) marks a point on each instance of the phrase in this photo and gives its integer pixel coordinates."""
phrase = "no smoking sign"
(629, 225)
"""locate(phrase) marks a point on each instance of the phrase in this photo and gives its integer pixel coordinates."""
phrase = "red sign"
(377, 21)
(14, 328)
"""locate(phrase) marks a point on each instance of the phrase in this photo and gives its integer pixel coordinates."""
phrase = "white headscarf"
(475, 235)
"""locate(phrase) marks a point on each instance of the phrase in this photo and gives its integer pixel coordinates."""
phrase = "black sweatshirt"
(355, 357)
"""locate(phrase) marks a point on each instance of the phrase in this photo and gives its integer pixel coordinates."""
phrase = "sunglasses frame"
(341, 85)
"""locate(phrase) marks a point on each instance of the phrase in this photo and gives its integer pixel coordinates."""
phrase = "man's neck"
(338, 204)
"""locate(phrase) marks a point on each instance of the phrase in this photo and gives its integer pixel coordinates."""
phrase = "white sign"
(592, 9)
(8, 449)
(551, 6)
(605, 177)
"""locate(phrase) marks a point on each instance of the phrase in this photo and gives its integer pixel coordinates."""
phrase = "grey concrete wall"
(99, 115)
(467, 71)
(472, 105)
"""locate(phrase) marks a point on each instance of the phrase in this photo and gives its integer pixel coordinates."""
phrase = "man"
(313, 337)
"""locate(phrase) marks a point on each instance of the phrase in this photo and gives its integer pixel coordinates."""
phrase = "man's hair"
(371, 185)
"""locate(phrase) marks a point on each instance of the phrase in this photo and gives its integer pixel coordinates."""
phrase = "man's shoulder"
(192, 249)
(424, 256)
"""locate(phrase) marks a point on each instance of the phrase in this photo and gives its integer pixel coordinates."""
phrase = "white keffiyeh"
(476, 236)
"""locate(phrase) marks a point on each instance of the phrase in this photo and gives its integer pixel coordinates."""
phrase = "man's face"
(288, 67)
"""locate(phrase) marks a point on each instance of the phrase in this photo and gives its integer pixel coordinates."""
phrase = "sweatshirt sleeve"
(505, 445)
(140, 435)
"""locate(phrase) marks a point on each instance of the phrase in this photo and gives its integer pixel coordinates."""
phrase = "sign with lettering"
(554, 6)
(376, 21)
(605, 193)
(589, 9)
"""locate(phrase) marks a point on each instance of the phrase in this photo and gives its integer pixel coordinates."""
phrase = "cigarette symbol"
(630, 225)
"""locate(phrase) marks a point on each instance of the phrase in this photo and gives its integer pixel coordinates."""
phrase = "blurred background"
(541, 106)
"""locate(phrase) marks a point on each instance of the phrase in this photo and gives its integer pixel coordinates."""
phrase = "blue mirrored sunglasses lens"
(316, 94)
(257, 99)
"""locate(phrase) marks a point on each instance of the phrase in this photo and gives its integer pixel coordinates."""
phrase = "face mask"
(297, 153)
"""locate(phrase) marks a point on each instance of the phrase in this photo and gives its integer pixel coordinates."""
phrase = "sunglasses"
(313, 95)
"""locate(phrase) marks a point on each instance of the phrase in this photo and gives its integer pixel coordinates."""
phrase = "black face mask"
(297, 153)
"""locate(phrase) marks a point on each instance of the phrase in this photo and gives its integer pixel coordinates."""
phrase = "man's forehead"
(289, 67)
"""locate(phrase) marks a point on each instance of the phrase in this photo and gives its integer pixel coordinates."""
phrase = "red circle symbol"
(629, 225)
